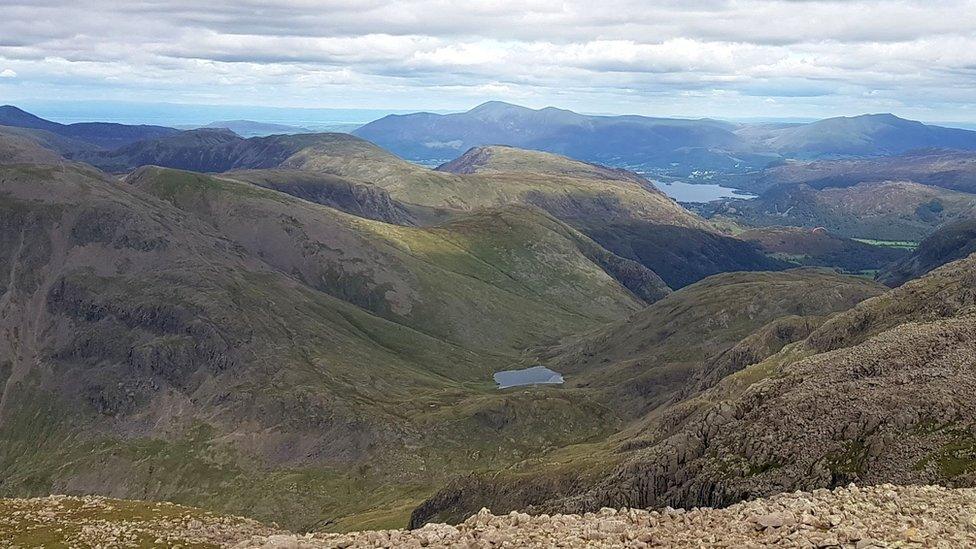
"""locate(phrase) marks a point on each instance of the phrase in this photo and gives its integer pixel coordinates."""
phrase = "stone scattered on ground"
(96, 522)
(857, 517)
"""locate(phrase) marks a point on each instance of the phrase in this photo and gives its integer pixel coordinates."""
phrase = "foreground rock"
(64, 521)
(877, 516)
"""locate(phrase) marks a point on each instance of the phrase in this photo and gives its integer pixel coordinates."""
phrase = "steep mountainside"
(643, 361)
(659, 358)
(100, 134)
(955, 170)
(949, 243)
(208, 341)
(43, 143)
(880, 393)
(204, 150)
(889, 210)
(16, 148)
(502, 159)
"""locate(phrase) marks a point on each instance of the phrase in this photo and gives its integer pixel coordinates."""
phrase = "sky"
(732, 59)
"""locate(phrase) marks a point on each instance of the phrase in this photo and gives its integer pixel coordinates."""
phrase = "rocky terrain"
(853, 516)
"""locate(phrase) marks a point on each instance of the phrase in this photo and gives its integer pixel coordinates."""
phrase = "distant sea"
(171, 114)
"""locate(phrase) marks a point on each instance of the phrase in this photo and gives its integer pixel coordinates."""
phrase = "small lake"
(536, 375)
(706, 192)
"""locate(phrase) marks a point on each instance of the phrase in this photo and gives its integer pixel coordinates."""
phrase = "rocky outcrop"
(877, 516)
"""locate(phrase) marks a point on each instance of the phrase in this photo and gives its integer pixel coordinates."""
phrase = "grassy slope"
(643, 361)
(124, 335)
(498, 282)
(541, 179)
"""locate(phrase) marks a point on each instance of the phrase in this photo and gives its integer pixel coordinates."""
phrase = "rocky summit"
(861, 517)
(883, 515)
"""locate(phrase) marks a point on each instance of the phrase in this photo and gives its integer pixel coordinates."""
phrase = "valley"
(309, 330)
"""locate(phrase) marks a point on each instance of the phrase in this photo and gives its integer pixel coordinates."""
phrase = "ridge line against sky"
(729, 59)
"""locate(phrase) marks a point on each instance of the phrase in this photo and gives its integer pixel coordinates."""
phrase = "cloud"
(708, 56)
(8, 73)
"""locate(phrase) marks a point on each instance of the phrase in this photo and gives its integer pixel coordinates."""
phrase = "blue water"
(687, 192)
(536, 375)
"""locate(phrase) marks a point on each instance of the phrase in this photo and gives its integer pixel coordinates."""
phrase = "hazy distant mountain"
(250, 128)
(676, 146)
(865, 135)
(102, 134)
(616, 140)
(949, 169)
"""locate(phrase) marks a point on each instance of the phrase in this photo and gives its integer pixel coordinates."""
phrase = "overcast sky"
(732, 59)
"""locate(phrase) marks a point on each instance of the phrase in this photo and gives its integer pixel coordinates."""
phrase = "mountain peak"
(884, 117)
(497, 107)
(15, 116)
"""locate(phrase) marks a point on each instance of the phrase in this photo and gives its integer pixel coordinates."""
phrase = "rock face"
(877, 516)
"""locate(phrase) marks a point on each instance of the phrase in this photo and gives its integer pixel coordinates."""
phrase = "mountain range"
(658, 145)
(305, 328)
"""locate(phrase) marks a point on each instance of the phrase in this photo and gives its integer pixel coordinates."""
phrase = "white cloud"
(8, 73)
(709, 56)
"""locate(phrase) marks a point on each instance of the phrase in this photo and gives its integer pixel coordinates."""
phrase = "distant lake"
(536, 375)
(687, 192)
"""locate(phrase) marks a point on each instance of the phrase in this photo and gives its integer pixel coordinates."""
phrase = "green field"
(909, 245)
